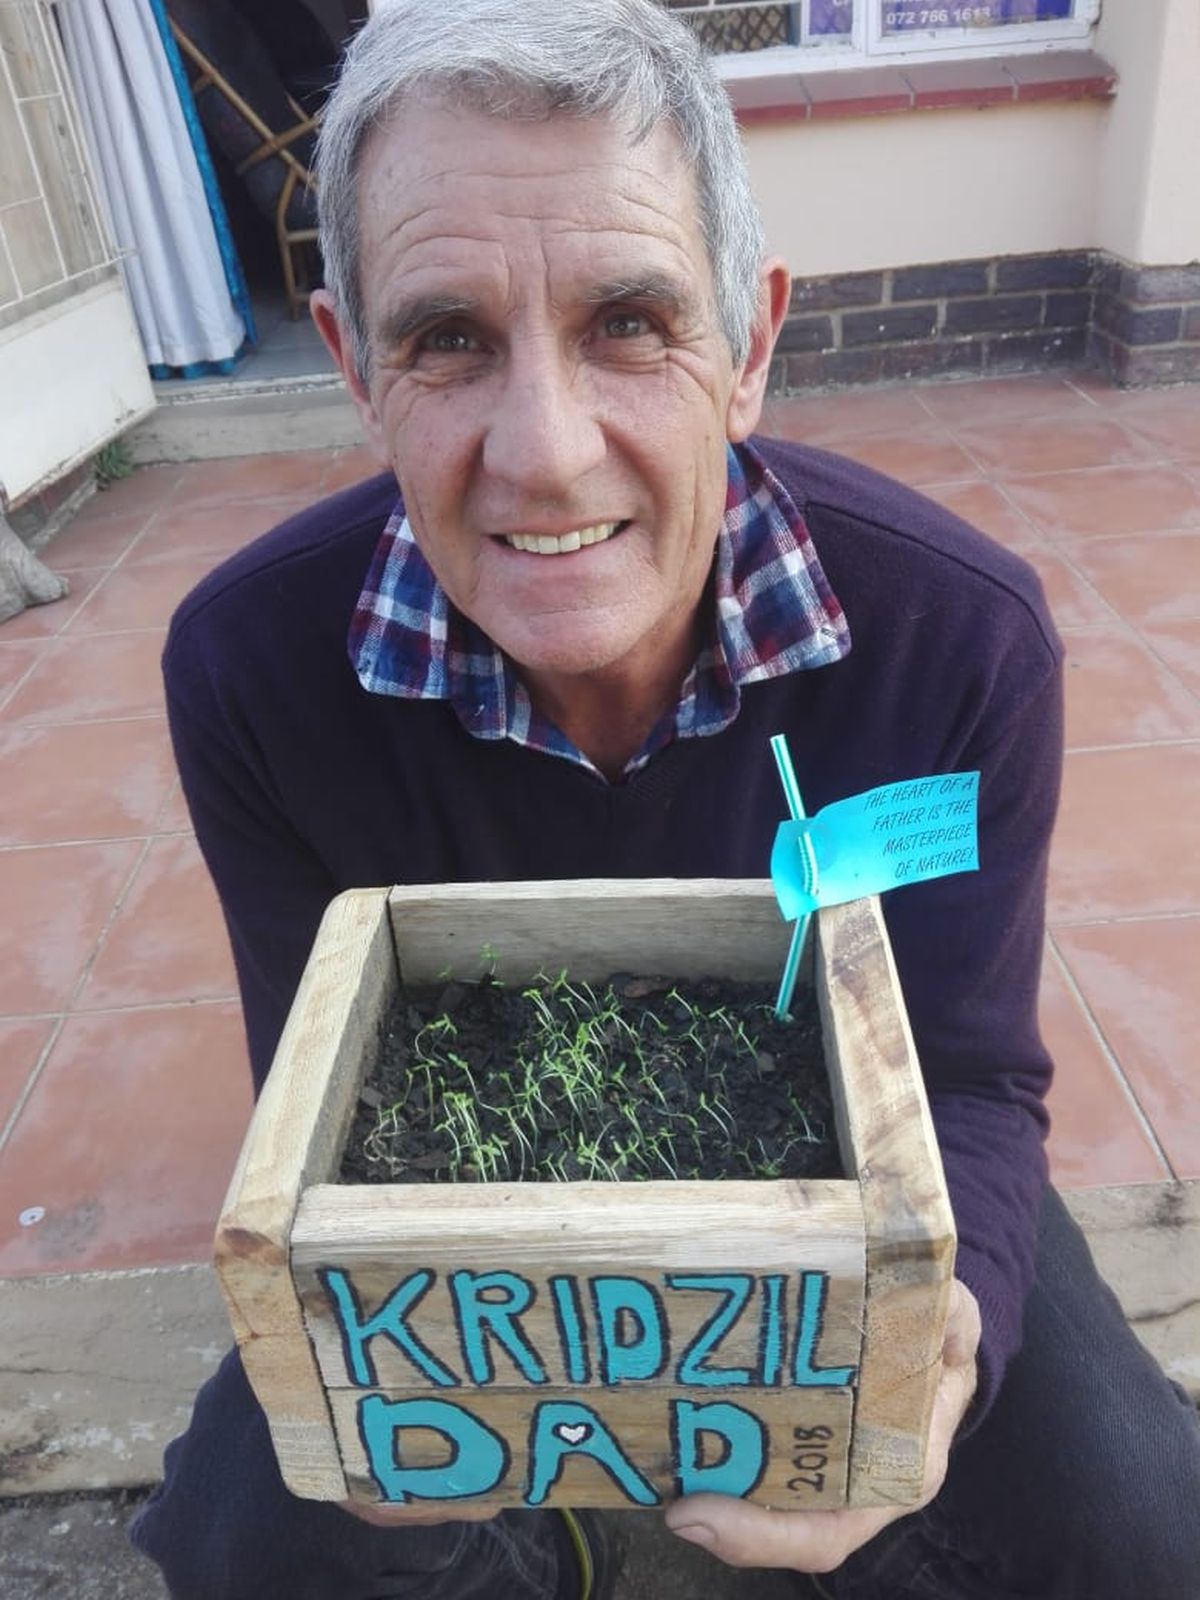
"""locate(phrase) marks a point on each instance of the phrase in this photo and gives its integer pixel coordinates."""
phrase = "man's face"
(548, 379)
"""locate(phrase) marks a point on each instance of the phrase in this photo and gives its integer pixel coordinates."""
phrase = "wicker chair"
(265, 134)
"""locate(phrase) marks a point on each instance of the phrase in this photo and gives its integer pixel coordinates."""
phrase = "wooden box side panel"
(577, 1235)
(888, 1138)
(593, 927)
(295, 1138)
(590, 1328)
(562, 1450)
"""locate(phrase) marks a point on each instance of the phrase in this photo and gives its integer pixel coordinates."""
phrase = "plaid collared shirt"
(775, 613)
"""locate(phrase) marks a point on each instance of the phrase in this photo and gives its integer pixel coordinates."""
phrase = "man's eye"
(449, 341)
(625, 324)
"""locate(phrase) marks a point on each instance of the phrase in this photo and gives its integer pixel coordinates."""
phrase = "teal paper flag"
(884, 839)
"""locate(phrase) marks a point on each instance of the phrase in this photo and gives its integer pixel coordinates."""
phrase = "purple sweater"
(301, 784)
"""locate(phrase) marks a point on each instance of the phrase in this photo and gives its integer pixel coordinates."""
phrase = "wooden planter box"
(590, 1344)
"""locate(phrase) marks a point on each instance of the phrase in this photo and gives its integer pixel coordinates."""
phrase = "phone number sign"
(972, 14)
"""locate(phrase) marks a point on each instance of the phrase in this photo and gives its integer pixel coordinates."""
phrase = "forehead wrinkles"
(581, 253)
(481, 208)
(506, 213)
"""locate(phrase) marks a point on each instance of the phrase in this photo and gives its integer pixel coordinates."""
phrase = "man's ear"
(341, 347)
(750, 381)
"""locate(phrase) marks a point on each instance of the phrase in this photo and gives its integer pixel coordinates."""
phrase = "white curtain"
(149, 180)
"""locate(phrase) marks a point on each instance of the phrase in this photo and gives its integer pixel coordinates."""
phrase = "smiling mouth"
(542, 544)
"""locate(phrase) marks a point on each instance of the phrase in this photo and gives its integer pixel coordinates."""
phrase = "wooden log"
(675, 1297)
(888, 1140)
(550, 1445)
(380, 1236)
(295, 1139)
(593, 927)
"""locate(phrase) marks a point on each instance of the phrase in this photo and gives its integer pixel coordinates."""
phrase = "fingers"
(745, 1535)
(956, 1386)
(960, 1343)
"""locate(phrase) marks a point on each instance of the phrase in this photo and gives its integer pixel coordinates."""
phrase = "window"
(818, 33)
(51, 238)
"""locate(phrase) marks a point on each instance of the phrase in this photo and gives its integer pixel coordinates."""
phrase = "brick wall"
(1009, 314)
(1146, 322)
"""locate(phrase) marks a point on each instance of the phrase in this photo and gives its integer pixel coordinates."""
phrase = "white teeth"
(548, 545)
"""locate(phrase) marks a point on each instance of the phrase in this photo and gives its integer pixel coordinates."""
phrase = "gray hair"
(629, 60)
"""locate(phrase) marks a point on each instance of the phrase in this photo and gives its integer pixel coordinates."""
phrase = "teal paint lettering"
(736, 1287)
(745, 1438)
(389, 1320)
(619, 1301)
(562, 1428)
(810, 1318)
(498, 1318)
(478, 1461)
(567, 1313)
(771, 1342)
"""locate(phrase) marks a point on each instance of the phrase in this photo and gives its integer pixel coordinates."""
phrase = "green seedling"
(580, 1083)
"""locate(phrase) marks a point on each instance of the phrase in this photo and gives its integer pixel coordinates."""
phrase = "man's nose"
(544, 433)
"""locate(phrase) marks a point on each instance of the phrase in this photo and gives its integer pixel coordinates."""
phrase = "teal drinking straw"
(791, 967)
(787, 777)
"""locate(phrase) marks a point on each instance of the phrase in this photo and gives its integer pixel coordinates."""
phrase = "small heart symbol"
(574, 1432)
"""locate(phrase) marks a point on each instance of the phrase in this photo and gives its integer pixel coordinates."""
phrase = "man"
(563, 654)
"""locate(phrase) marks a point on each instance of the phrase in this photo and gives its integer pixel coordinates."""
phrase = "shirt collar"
(773, 613)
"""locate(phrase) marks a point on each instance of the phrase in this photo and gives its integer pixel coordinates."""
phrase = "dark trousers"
(1083, 1483)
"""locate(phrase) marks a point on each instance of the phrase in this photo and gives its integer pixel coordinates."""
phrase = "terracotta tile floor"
(123, 1083)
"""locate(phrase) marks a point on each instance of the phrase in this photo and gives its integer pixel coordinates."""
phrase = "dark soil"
(559, 1081)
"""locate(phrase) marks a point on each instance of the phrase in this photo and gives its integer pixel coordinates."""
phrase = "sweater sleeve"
(272, 886)
(969, 952)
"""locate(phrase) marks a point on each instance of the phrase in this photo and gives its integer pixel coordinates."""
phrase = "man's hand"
(745, 1535)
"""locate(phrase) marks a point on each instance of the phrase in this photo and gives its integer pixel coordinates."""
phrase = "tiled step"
(247, 420)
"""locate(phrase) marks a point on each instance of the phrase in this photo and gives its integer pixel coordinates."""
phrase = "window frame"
(933, 44)
(53, 189)
(868, 46)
